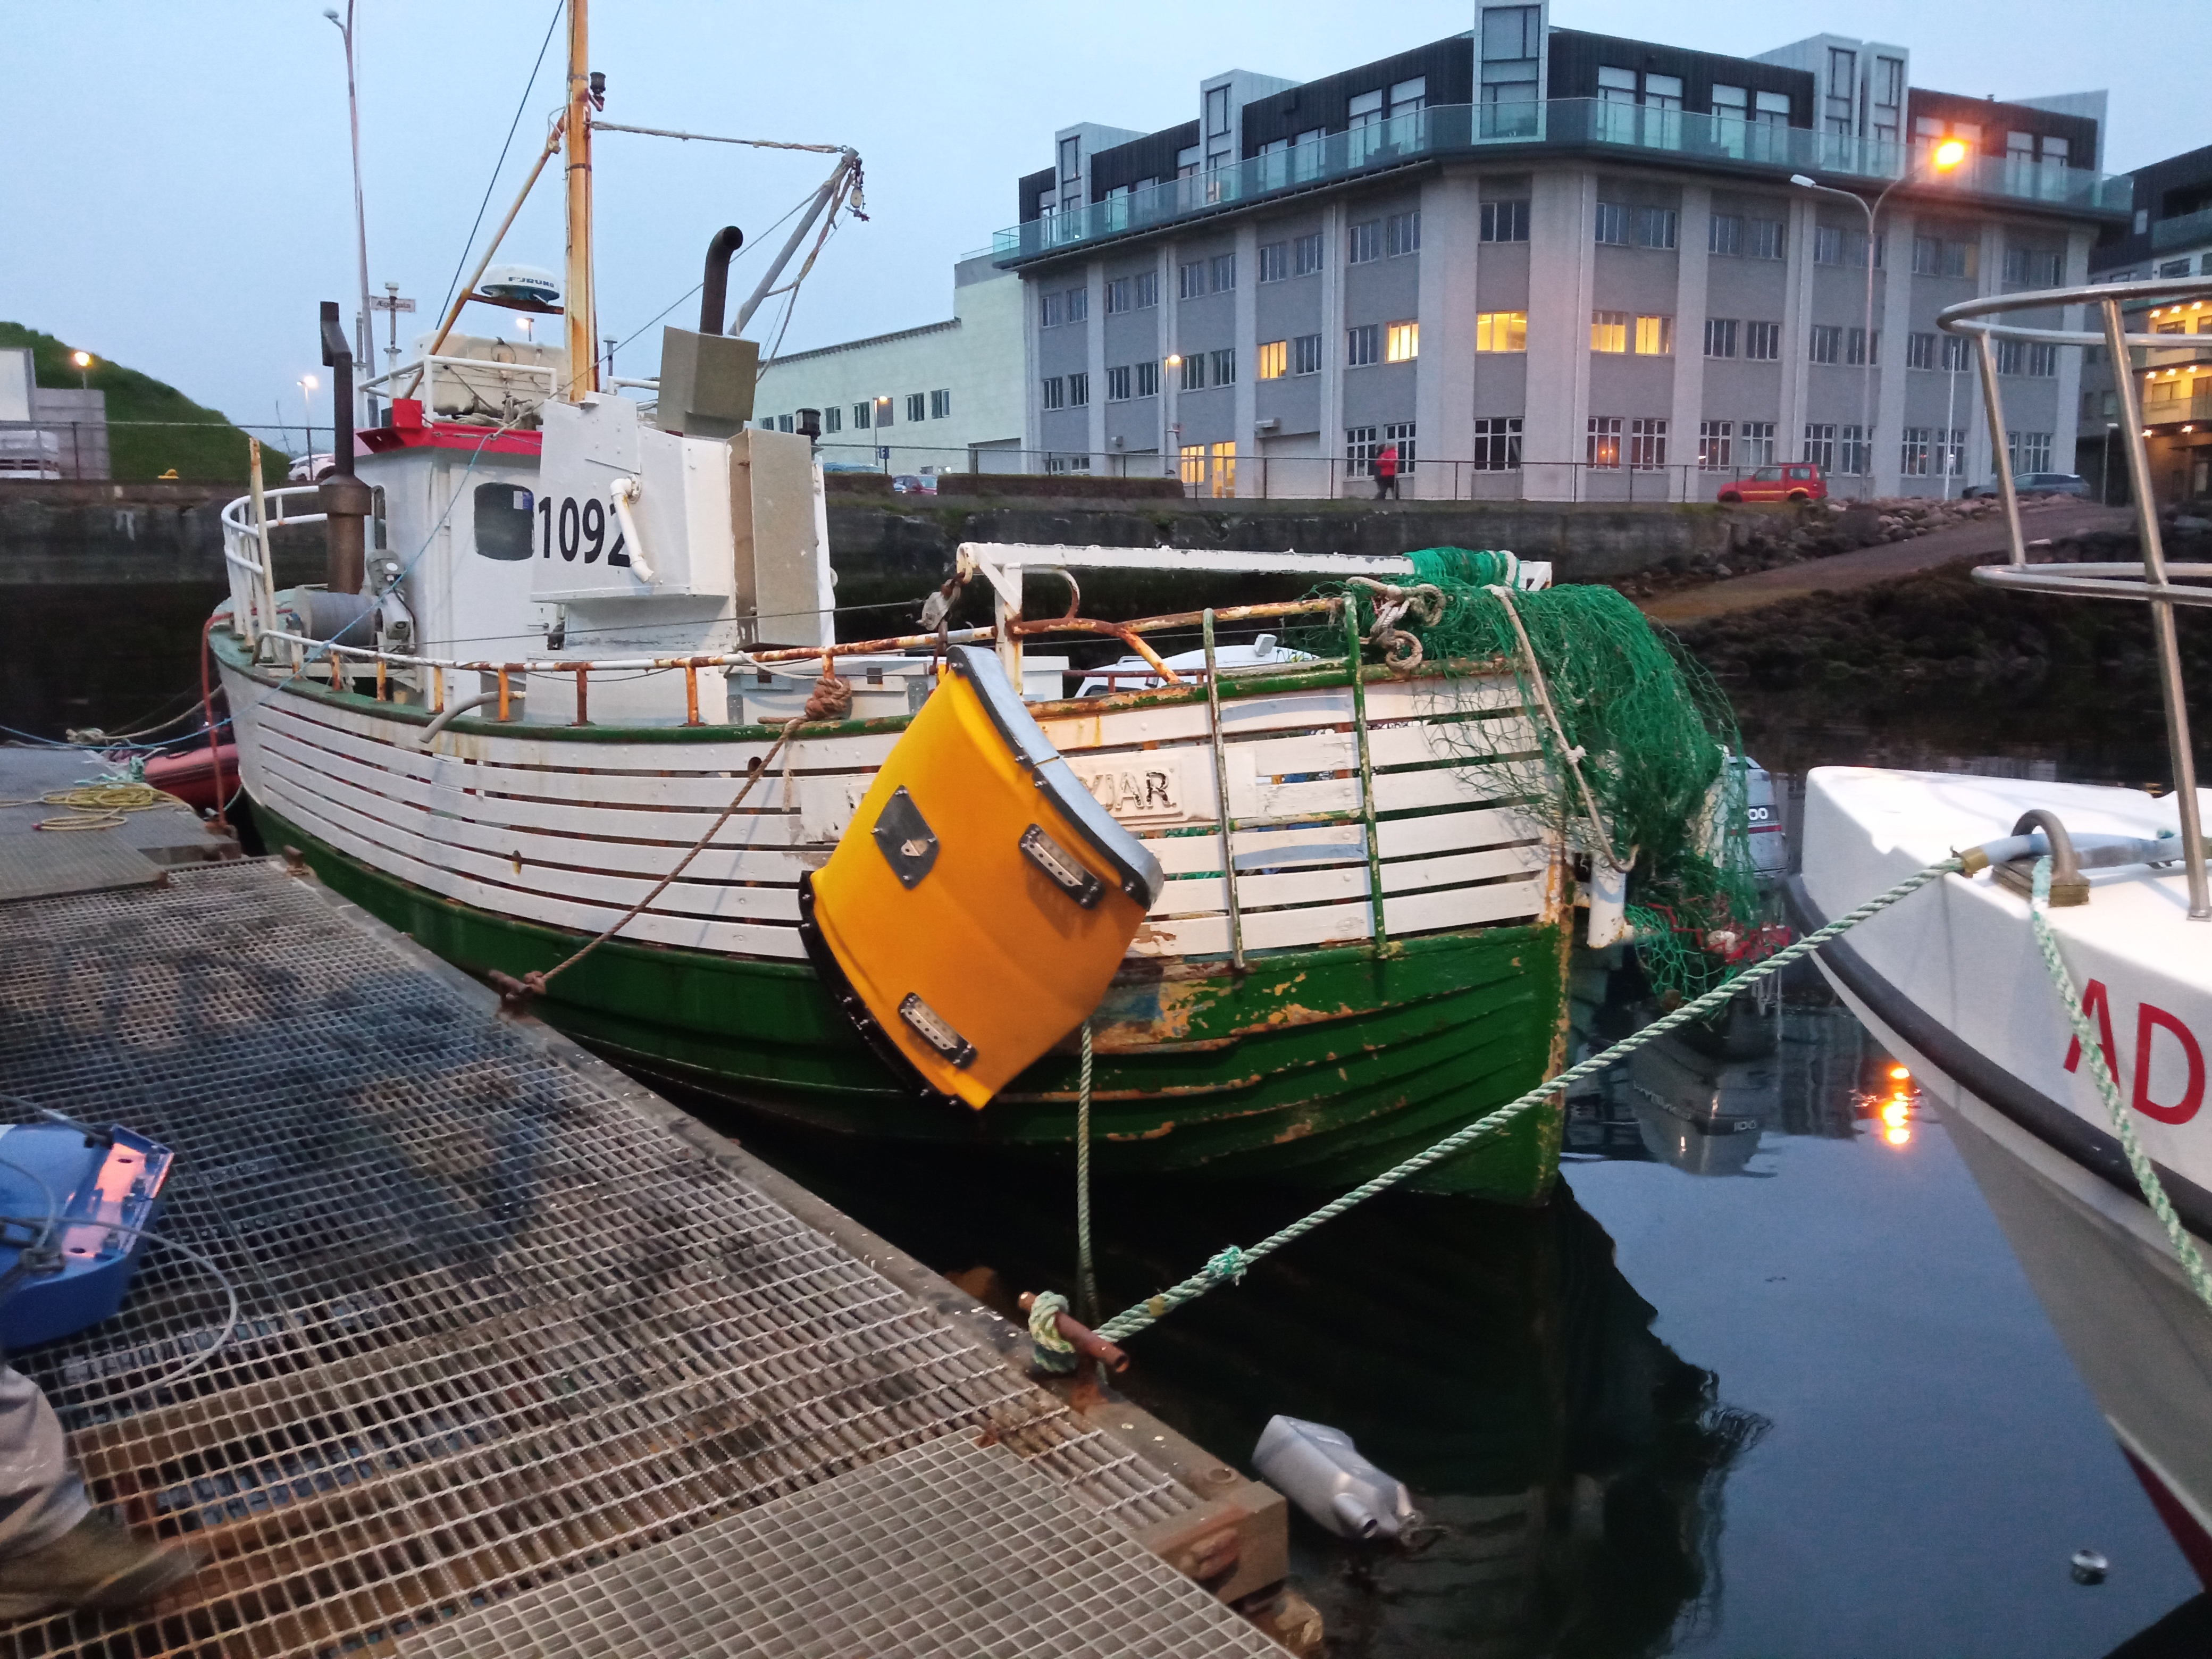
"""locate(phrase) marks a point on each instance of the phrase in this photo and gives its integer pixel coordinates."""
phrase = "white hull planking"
(569, 832)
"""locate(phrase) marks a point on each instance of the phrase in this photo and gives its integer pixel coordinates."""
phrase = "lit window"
(1609, 331)
(1274, 359)
(1604, 441)
(1654, 337)
(1404, 343)
(1501, 330)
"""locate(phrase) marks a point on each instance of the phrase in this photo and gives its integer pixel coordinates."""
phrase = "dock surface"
(525, 1360)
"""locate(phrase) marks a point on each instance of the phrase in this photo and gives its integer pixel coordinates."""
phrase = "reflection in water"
(1704, 1099)
(1494, 1358)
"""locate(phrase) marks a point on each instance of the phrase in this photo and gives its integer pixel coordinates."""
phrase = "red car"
(1800, 481)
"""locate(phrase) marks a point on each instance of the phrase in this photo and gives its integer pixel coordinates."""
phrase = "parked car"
(1799, 481)
(913, 483)
(2035, 483)
(312, 469)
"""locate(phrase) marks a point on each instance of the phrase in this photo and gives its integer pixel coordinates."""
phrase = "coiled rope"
(1231, 1264)
(2093, 1050)
(99, 805)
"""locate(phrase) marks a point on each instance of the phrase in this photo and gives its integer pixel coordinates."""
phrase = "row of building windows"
(879, 412)
(1399, 234)
(876, 412)
(1612, 332)
(1640, 445)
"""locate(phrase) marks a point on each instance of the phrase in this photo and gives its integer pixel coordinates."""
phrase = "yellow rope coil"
(100, 806)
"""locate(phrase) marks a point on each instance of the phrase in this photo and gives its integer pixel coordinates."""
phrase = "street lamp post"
(84, 362)
(362, 352)
(1948, 156)
(308, 384)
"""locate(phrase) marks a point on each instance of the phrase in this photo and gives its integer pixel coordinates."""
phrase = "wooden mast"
(576, 287)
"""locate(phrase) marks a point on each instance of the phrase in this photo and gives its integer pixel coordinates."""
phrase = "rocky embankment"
(1821, 531)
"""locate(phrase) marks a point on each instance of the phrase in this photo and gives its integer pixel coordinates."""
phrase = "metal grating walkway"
(961, 1551)
(497, 1325)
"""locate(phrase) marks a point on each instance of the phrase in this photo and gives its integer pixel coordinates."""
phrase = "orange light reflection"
(1897, 1135)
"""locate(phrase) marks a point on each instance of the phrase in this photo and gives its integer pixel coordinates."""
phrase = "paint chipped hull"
(1318, 1068)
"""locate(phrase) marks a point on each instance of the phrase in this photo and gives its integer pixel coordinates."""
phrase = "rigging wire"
(492, 184)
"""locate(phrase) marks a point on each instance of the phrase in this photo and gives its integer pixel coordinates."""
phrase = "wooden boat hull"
(1324, 1062)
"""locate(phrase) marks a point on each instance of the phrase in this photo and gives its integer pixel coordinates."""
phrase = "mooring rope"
(1086, 1282)
(2108, 1091)
(1231, 1264)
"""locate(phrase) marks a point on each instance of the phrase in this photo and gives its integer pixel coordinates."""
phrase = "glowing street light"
(1945, 156)
(84, 362)
(308, 384)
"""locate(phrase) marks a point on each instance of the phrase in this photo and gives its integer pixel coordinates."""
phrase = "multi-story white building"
(1556, 264)
(945, 396)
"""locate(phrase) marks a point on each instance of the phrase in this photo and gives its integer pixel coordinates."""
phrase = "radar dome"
(520, 282)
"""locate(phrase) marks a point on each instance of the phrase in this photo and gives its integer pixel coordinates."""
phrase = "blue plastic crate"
(103, 1184)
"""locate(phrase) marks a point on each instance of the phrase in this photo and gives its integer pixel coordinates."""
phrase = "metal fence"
(53, 449)
(1260, 476)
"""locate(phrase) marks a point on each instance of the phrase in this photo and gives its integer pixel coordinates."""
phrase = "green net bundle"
(1655, 733)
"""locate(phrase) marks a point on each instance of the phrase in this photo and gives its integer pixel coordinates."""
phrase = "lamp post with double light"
(1947, 156)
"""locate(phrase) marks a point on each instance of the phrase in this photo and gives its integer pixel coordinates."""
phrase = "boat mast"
(576, 287)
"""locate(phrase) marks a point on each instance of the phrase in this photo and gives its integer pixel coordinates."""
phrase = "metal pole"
(576, 294)
(360, 213)
(1221, 788)
(2161, 619)
(1985, 356)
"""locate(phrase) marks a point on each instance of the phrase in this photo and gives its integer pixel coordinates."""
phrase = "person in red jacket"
(1385, 473)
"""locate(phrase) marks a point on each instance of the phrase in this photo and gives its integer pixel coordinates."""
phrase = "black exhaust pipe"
(716, 292)
(345, 498)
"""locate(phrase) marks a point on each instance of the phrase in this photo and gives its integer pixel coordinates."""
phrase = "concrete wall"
(66, 533)
(893, 551)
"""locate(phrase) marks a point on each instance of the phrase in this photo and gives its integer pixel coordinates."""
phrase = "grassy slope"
(214, 455)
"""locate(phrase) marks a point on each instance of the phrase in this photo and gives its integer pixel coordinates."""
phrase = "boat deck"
(525, 1360)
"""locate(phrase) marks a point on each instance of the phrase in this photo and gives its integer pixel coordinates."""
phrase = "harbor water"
(1762, 1381)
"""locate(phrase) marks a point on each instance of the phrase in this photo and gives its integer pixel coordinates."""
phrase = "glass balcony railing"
(1582, 122)
(2187, 231)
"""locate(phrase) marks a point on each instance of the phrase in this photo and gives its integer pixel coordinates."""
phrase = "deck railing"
(1446, 129)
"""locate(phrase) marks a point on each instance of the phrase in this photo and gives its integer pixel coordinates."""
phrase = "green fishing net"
(1653, 734)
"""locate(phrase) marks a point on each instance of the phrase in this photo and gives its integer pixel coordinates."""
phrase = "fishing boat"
(1955, 984)
(573, 680)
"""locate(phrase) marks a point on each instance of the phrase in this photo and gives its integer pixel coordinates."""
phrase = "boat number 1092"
(579, 530)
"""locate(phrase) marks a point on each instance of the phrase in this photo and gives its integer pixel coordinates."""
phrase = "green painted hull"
(1317, 1068)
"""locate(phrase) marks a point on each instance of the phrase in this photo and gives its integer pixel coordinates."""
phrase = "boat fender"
(1607, 889)
(1318, 1468)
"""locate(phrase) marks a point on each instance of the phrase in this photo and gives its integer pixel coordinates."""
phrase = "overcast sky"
(177, 193)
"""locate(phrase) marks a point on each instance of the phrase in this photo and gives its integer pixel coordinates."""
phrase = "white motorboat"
(1954, 981)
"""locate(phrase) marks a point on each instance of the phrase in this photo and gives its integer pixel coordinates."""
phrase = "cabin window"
(503, 526)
